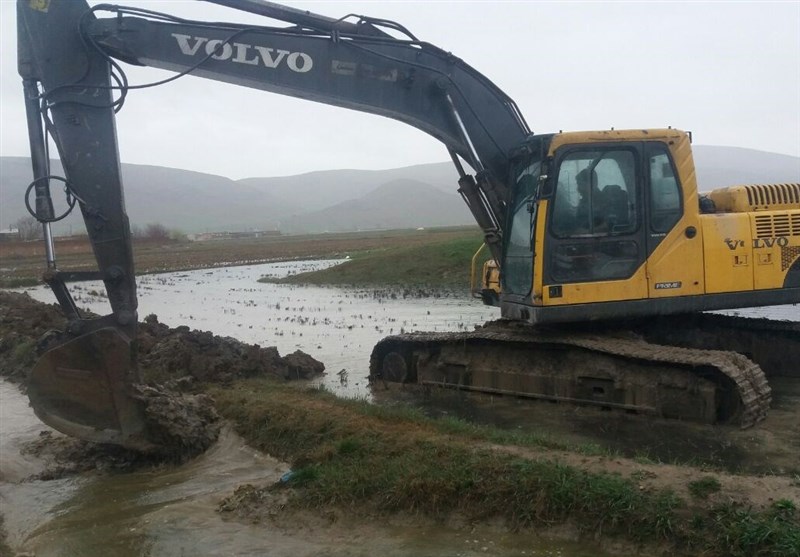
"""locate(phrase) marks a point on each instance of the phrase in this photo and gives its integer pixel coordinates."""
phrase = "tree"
(156, 231)
(29, 228)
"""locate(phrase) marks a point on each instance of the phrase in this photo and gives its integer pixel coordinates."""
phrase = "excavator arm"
(73, 84)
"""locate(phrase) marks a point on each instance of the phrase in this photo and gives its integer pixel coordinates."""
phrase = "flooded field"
(173, 510)
(334, 325)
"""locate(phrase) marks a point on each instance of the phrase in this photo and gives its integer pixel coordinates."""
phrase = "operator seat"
(615, 204)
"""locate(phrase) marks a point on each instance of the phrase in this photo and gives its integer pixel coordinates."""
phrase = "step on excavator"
(604, 256)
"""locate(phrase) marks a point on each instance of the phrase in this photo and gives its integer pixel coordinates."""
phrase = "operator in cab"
(590, 203)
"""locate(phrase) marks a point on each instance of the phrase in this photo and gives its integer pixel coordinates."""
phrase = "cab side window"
(595, 194)
(595, 232)
(665, 193)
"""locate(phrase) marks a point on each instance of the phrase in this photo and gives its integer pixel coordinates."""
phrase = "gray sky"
(727, 71)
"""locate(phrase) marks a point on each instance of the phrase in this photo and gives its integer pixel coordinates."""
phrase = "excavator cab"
(613, 230)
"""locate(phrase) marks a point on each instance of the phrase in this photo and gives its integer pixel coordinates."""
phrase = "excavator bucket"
(85, 388)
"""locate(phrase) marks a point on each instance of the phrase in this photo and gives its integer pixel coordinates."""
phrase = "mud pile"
(179, 357)
(187, 356)
(23, 321)
(179, 425)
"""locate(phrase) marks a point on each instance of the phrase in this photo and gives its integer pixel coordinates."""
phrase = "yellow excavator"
(604, 254)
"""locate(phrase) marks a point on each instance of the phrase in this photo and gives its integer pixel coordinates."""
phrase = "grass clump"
(702, 488)
(24, 353)
(744, 533)
(19, 282)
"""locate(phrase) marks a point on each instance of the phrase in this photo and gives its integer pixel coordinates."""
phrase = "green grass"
(438, 264)
(19, 282)
(745, 533)
(702, 488)
(24, 353)
(368, 458)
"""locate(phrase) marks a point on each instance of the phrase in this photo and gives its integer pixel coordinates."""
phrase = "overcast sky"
(727, 71)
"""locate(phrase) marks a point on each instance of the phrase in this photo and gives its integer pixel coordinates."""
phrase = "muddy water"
(172, 510)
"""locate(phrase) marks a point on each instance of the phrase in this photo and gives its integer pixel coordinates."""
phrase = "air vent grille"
(771, 226)
(773, 194)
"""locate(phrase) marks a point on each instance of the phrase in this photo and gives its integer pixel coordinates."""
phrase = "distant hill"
(729, 166)
(414, 196)
(329, 187)
(179, 199)
(401, 203)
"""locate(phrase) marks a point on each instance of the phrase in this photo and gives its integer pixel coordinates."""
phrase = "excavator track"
(773, 344)
(614, 369)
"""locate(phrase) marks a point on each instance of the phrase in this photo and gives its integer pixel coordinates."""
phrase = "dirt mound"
(23, 321)
(166, 353)
(181, 426)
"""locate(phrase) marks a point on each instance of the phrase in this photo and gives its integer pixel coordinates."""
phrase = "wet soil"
(772, 447)
(178, 355)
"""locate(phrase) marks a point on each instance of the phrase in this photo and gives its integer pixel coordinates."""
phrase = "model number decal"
(668, 285)
(781, 241)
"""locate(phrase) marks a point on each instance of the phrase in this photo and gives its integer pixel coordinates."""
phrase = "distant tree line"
(155, 231)
(28, 228)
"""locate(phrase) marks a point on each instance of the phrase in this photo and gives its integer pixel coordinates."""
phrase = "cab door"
(674, 242)
(595, 245)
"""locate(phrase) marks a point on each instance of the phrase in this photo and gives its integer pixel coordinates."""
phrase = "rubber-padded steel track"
(719, 369)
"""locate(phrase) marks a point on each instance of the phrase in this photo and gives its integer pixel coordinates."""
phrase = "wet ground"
(171, 510)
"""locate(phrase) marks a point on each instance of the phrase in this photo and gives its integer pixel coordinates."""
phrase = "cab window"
(595, 194)
(665, 193)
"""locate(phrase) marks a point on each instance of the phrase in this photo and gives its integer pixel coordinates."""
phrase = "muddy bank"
(186, 356)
